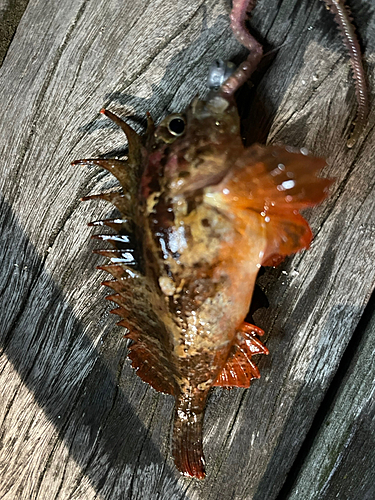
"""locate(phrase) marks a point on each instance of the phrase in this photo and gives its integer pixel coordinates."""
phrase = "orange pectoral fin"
(273, 260)
(240, 369)
(275, 177)
(286, 234)
(275, 182)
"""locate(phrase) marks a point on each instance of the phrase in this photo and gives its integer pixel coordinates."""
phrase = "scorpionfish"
(200, 214)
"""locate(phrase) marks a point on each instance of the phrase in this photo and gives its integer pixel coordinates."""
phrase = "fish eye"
(176, 125)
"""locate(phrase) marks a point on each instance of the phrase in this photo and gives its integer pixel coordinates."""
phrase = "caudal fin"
(187, 446)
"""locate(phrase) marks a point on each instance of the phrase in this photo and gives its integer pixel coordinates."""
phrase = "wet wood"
(76, 421)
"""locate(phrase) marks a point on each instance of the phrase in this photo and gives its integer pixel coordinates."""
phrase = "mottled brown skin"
(204, 214)
(199, 215)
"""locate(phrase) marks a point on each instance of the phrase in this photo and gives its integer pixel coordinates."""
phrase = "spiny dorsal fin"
(134, 294)
(119, 225)
(121, 169)
(134, 140)
(117, 198)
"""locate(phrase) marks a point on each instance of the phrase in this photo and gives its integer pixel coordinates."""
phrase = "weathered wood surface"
(11, 12)
(341, 463)
(76, 422)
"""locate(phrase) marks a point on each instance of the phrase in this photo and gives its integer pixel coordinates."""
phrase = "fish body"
(199, 255)
(200, 214)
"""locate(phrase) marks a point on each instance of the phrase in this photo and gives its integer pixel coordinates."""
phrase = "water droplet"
(288, 184)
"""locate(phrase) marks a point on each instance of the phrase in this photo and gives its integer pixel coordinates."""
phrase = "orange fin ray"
(119, 311)
(110, 254)
(112, 238)
(123, 226)
(275, 182)
(286, 235)
(150, 366)
(119, 272)
(240, 369)
(278, 177)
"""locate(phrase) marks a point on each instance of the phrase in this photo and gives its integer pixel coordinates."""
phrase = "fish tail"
(187, 442)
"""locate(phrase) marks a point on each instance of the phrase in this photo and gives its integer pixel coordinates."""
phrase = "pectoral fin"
(275, 183)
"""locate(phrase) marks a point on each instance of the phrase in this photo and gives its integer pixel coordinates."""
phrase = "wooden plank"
(76, 421)
(11, 12)
(341, 461)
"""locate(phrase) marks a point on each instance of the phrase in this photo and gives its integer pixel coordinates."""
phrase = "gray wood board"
(11, 12)
(76, 421)
(341, 463)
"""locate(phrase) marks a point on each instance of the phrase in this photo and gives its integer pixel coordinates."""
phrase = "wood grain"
(76, 422)
(341, 462)
(11, 12)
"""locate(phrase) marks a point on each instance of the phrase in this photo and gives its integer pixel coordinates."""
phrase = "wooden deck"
(76, 421)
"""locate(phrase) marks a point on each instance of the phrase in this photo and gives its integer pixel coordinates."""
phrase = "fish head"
(193, 150)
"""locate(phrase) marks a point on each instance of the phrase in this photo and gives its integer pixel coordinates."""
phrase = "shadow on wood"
(77, 391)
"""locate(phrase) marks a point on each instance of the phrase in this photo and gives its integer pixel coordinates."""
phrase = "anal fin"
(240, 369)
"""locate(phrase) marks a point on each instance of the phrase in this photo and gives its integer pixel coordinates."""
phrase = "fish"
(199, 214)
